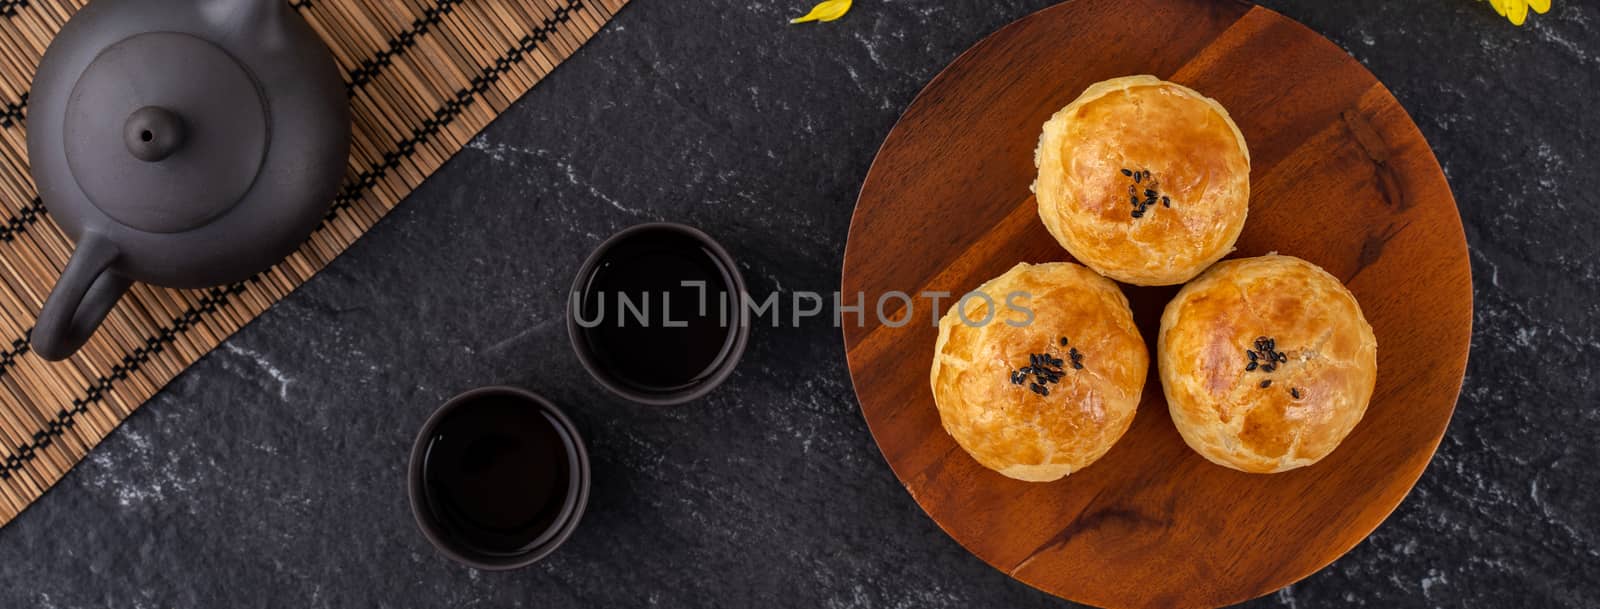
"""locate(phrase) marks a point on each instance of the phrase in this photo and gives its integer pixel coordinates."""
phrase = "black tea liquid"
(496, 474)
(662, 311)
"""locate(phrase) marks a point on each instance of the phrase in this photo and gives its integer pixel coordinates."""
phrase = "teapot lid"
(164, 131)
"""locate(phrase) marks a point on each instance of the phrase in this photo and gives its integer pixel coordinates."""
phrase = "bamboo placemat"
(423, 76)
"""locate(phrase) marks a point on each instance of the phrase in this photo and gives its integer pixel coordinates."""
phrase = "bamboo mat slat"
(423, 77)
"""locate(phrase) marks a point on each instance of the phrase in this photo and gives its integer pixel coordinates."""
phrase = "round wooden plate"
(1340, 177)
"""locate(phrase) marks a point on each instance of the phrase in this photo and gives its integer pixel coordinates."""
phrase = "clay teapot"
(182, 143)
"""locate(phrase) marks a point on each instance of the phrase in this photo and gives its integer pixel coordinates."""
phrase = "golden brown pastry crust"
(1010, 428)
(1315, 397)
(1197, 159)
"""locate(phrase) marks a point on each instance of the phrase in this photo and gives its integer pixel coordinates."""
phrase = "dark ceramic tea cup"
(499, 478)
(657, 314)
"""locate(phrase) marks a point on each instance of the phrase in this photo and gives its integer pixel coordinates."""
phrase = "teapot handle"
(87, 290)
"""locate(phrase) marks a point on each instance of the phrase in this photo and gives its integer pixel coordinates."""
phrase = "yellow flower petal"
(1517, 11)
(1539, 6)
(826, 11)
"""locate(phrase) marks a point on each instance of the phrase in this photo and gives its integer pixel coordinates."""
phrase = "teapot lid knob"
(153, 133)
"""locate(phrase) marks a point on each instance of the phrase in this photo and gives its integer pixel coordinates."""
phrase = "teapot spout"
(260, 22)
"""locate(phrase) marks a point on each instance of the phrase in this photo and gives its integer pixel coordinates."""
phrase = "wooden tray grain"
(1340, 176)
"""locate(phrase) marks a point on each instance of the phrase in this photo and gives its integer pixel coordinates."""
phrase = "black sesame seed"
(1077, 365)
(1269, 368)
(1149, 193)
(1282, 357)
(1294, 393)
(1266, 383)
(1250, 366)
(1138, 213)
(1165, 202)
(1252, 355)
(1147, 174)
(1127, 173)
(1063, 341)
(1138, 177)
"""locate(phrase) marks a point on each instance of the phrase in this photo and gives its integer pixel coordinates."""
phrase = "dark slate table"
(271, 473)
